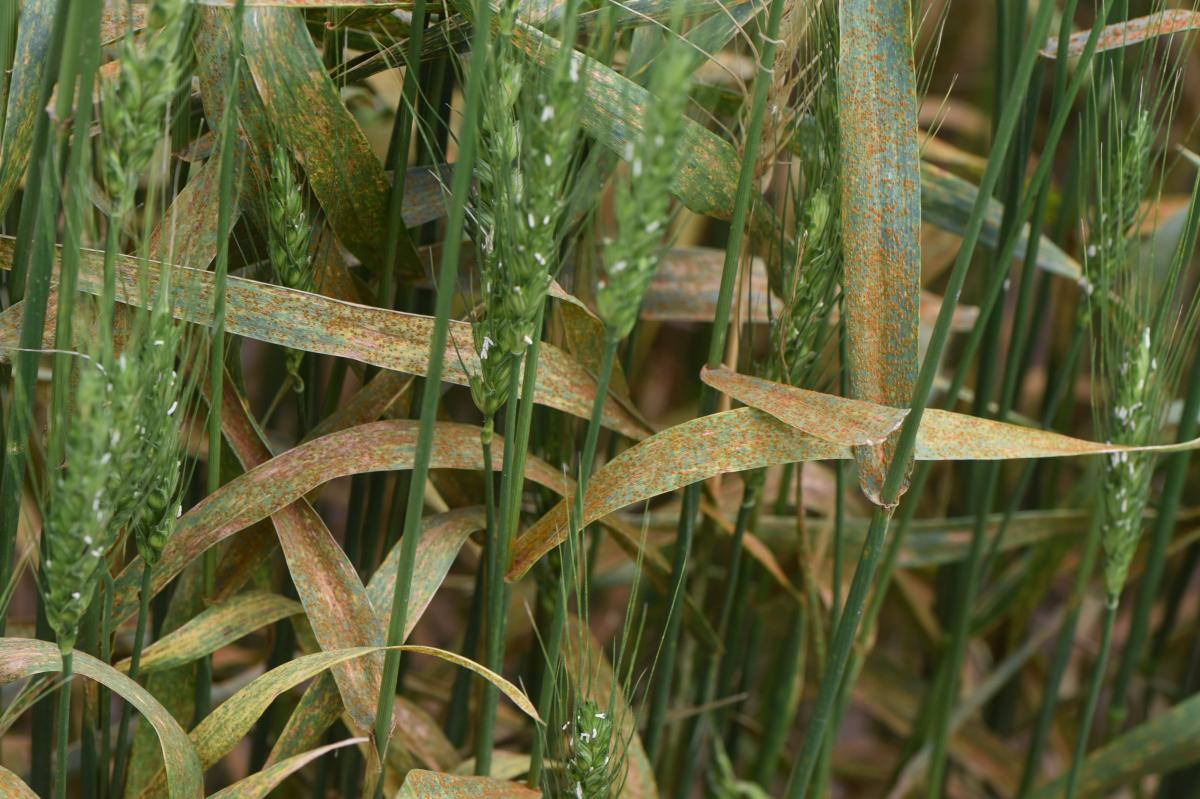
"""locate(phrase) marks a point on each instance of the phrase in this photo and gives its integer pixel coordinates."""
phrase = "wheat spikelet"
(78, 533)
(135, 103)
(643, 204)
(289, 238)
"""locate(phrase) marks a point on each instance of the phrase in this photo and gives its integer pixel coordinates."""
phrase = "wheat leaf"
(23, 657)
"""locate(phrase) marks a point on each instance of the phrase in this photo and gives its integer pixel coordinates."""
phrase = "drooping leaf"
(1164, 743)
(14, 787)
(23, 657)
(1129, 32)
(881, 212)
(751, 438)
(313, 323)
(220, 731)
(833, 419)
(434, 785)
(379, 446)
(732, 441)
(215, 627)
(261, 783)
(334, 599)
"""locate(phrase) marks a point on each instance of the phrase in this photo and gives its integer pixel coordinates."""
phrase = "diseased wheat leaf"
(1129, 32)
(833, 419)
(947, 200)
(29, 65)
(334, 599)
(310, 322)
(733, 441)
(881, 212)
(434, 785)
(220, 731)
(752, 438)
(215, 627)
(261, 783)
(23, 657)
(379, 446)
(1166, 742)
(14, 787)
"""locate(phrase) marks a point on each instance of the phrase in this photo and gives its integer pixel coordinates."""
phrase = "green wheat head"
(526, 140)
(643, 202)
(78, 531)
(289, 237)
(135, 103)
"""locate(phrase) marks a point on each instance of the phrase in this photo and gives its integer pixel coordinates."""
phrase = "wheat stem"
(135, 660)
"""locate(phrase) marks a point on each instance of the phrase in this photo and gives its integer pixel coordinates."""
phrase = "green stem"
(494, 585)
(1093, 697)
(216, 358)
(31, 278)
(63, 727)
(692, 764)
(716, 351)
(135, 661)
(1059, 660)
(447, 273)
(102, 692)
(554, 641)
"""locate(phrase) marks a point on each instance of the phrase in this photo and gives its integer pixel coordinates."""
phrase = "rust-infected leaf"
(261, 491)
(313, 323)
(434, 785)
(14, 787)
(34, 30)
(1164, 743)
(261, 783)
(215, 627)
(23, 657)
(881, 212)
(834, 419)
(1133, 31)
(733, 441)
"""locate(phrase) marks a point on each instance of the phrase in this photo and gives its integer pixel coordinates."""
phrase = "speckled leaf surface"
(947, 200)
(29, 64)
(706, 180)
(1164, 743)
(215, 627)
(229, 722)
(310, 322)
(14, 787)
(260, 492)
(304, 105)
(834, 419)
(943, 436)
(733, 441)
(881, 211)
(23, 657)
(434, 785)
(585, 663)
(263, 782)
(221, 730)
(442, 537)
(334, 599)
(1133, 31)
